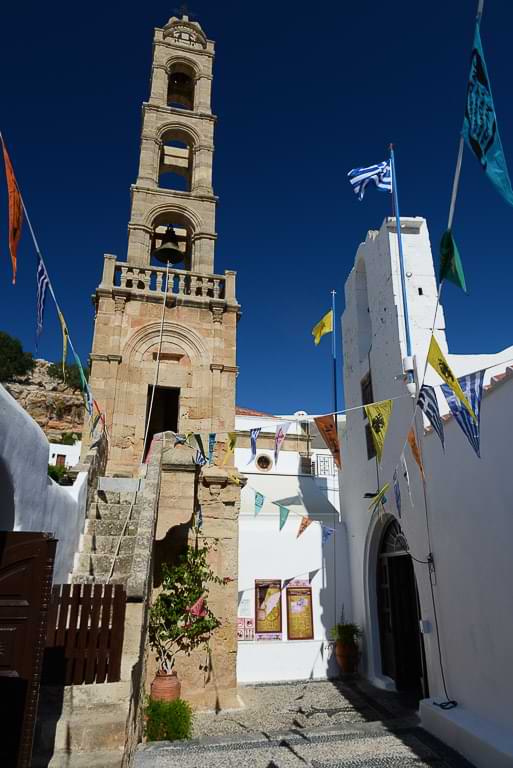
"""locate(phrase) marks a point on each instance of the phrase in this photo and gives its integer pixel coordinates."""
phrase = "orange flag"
(328, 430)
(303, 525)
(15, 210)
(415, 451)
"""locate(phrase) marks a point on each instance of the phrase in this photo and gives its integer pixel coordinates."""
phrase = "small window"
(264, 462)
(325, 466)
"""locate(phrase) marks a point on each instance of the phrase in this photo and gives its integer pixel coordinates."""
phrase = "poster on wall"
(299, 613)
(268, 610)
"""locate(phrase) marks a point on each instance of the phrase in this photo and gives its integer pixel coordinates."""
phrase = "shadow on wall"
(7, 514)
(167, 550)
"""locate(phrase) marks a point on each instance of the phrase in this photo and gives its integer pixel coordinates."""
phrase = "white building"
(301, 571)
(463, 515)
(64, 455)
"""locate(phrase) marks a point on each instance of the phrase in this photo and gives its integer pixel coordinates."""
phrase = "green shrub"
(57, 473)
(14, 361)
(72, 374)
(168, 720)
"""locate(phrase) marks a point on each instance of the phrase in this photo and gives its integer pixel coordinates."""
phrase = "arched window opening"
(180, 91)
(363, 312)
(175, 167)
(171, 241)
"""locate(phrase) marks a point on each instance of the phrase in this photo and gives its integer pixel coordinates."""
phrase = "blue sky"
(301, 97)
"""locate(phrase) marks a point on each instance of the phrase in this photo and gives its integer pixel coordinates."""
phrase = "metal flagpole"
(334, 353)
(401, 255)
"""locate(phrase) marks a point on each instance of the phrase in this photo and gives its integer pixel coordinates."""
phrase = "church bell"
(169, 249)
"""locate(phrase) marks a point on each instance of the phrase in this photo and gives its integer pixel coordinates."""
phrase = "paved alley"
(315, 725)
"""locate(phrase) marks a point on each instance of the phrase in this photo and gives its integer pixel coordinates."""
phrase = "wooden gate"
(84, 640)
(26, 567)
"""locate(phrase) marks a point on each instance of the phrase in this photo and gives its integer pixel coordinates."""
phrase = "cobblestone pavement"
(306, 725)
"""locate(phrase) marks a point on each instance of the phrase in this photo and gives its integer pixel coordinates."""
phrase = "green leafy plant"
(68, 438)
(72, 374)
(168, 720)
(180, 619)
(14, 362)
(346, 633)
(57, 473)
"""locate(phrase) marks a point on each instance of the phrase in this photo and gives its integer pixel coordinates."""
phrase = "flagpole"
(334, 354)
(401, 257)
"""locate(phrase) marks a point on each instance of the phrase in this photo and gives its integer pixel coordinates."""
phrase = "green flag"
(450, 263)
(284, 513)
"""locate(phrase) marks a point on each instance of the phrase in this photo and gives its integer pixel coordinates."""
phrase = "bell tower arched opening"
(181, 87)
(175, 165)
(402, 649)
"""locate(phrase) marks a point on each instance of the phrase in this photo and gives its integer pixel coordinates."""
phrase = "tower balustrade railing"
(152, 280)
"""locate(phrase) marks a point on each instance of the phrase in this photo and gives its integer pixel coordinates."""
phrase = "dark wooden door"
(26, 567)
(405, 620)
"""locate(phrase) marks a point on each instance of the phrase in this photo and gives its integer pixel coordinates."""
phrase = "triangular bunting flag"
(326, 532)
(472, 386)
(397, 492)
(281, 432)
(450, 263)
(284, 513)
(428, 403)
(379, 416)
(211, 446)
(259, 502)
(65, 335)
(406, 476)
(253, 437)
(230, 447)
(412, 442)
(328, 429)
(379, 498)
(42, 282)
(480, 129)
(15, 211)
(303, 525)
(437, 361)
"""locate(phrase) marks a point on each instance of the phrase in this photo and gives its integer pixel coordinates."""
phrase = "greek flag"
(472, 386)
(380, 174)
(199, 458)
(42, 284)
(428, 403)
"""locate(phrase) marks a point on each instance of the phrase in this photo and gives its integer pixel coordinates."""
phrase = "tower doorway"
(402, 648)
(164, 413)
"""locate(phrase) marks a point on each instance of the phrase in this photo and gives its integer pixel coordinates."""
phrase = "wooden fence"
(84, 640)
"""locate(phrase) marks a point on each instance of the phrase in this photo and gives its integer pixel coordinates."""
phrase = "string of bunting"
(17, 214)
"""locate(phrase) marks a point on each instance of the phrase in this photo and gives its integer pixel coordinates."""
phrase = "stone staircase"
(106, 518)
(92, 726)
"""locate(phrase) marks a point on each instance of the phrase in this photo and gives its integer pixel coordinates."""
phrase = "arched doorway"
(402, 650)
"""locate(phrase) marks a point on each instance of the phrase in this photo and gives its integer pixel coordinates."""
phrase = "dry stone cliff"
(56, 407)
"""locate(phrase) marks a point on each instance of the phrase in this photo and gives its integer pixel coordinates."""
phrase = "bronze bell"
(169, 249)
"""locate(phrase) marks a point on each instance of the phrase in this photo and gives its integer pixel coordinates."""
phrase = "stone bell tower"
(173, 204)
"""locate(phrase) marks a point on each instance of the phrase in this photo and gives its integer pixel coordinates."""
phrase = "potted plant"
(347, 651)
(180, 619)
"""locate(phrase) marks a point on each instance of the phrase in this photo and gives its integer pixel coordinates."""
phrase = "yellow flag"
(64, 342)
(437, 360)
(379, 416)
(232, 439)
(379, 498)
(412, 442)
(325, 325)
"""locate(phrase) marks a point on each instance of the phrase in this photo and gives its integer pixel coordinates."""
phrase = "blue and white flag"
(380, 174)
(472, 386)
(428, 403)
(397, 492)
(212, 437)
(42, 285)
(199, 458)
(480, 128)
(199, 517)
(326, 532)
(253, 437)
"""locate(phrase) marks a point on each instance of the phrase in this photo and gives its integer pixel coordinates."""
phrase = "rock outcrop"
(56, 407)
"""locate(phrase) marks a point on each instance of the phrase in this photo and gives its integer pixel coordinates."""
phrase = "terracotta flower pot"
(347, 657)
(165, 686)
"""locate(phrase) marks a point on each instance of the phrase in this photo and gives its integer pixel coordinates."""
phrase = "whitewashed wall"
(31, 501)
(467, 504)
(71, 453)
(265, 552)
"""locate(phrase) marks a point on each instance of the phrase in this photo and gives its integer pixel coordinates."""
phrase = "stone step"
(90, 564)
(115, 497)
(109, 527)
(101, 511)
(62, 758)
(102, 727)
(72, 698)
(92, 543)
(85, 578)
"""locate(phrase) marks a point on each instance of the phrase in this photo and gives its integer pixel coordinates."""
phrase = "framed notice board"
(299, 613)
(268, 609)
